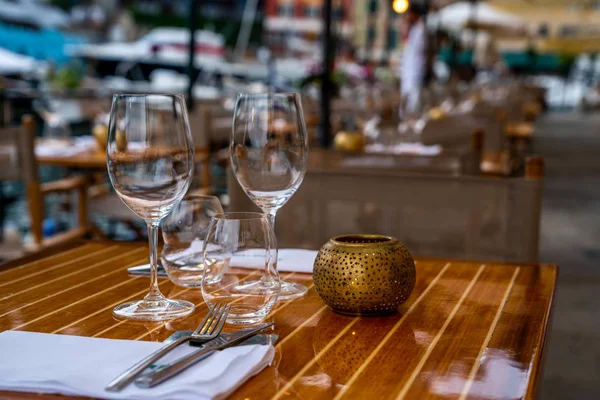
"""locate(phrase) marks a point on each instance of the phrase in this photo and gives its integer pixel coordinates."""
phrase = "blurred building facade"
(369, 26)
(377, 29)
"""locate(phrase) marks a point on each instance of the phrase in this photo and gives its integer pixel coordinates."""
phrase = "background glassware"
(150, 157)
(269, 155)
(184, 232)
(241, 246)
(414, 114)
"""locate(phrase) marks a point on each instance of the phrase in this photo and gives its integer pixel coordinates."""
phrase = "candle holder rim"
(371, 239)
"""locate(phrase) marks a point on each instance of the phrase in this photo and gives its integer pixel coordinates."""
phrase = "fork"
(209, 328)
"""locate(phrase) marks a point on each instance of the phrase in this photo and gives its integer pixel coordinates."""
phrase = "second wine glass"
(269, 155)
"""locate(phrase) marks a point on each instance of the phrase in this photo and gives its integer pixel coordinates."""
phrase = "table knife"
(145, 270)
(224, 341)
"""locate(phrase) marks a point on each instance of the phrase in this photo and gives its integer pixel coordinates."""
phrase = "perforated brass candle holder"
(364, 274)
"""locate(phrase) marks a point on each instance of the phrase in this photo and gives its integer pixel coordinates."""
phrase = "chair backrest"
(211, 124)
(9, 154)
(433, 215)
(28, 172)
(17, 152)
(199, 126)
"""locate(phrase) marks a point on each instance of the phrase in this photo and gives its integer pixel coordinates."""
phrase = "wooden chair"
(472, 217)
(23, 141)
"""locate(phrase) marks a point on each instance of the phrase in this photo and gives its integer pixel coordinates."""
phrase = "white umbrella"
(14, 63)
(456, 16)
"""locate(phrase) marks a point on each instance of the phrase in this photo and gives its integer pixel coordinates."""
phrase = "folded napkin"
(74, 365)
(288, 260)
(405, 148)
(65, 148)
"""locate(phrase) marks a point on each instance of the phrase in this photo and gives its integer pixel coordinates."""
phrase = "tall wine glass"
(150, 157)
(269, 155)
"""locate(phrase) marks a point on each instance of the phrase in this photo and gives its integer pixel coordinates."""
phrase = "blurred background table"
(84, 160)
(92, 159)
(469, 330)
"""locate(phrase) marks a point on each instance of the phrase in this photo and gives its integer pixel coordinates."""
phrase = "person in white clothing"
(414, 57)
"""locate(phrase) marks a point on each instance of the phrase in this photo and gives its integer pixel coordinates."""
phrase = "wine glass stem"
(154, 293)
(271, 215)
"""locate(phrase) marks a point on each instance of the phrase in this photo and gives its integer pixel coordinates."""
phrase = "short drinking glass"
(150, 157)
(184, 232)
(239, 266)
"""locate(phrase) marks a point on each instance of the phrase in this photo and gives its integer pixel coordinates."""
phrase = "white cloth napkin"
(288, 260)
(75, 365)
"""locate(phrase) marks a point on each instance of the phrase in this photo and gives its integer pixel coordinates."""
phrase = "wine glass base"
(290, 291)
(145, 310)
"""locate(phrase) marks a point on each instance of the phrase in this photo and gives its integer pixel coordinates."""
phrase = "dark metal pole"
(191, 69)
(326, 86)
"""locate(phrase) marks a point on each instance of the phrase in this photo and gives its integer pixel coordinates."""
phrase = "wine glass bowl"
(269, 154)
(150, 157)
(269, 149)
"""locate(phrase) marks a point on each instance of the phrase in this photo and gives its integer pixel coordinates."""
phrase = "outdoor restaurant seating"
(24, 168)
(484, 217)
(297, 199)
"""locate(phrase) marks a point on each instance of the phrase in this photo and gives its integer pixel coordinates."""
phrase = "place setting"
(237, 305)
(288, 199)
(231, 257)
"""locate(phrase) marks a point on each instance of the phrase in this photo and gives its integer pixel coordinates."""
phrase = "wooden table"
(468, 330)
(95, 159)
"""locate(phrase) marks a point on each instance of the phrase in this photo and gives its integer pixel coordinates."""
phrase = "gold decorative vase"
(364, 274)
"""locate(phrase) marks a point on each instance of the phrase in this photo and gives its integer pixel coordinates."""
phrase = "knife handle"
(160, 375)
(127, 376)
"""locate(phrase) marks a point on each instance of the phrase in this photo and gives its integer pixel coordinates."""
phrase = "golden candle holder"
(364, 274)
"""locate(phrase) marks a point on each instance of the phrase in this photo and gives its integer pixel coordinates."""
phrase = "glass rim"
(173, 95)
(240, 216)
(269, 94)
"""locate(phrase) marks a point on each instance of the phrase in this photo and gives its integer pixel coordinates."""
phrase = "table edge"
(538, 363)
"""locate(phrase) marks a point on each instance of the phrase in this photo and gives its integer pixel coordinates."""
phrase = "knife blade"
(144, 269)
(223, 341)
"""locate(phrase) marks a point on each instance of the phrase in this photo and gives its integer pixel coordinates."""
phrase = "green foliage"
(67, 77)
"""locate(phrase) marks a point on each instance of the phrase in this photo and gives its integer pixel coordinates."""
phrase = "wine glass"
(269, 155)
(184, 232)
(150, 158)
(239, 245)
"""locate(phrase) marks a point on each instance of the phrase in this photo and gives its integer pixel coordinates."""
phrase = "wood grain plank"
(320, 335)
(460, 344)
(61, 292)
(345, 348)
(512, 359)
(488, 337)
(56, 272)
(61, 282)
(52, 261)
(404, 349)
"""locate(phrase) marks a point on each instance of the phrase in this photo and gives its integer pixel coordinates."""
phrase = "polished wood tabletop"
(468, 331)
